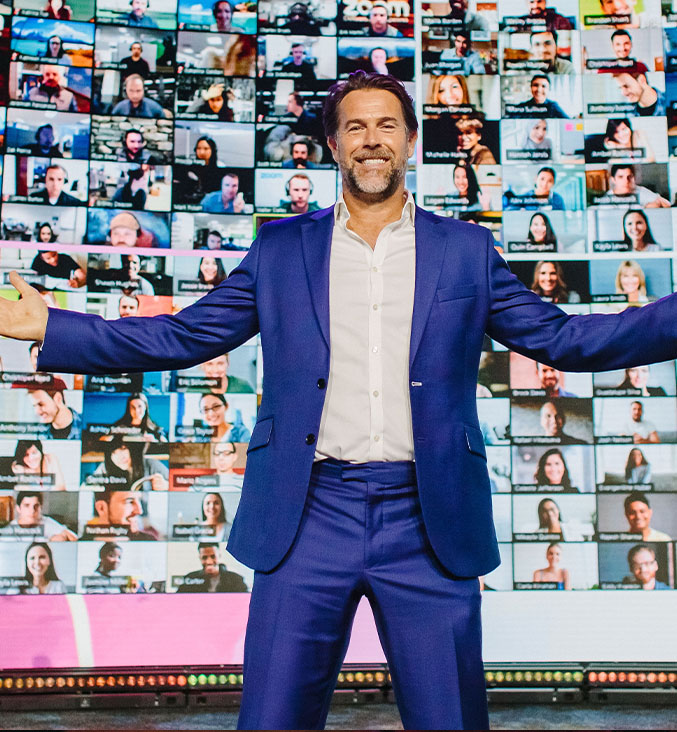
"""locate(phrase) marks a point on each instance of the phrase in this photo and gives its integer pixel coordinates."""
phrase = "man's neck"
(63, 418)
(368, 219)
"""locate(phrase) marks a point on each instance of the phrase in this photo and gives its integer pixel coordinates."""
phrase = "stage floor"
(359, 716)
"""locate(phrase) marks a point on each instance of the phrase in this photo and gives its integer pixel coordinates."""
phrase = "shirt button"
(321, 383)
(310, 439)
(375, 393)
(374, 349)
(375, 306)
(374, 269)
(376, 438)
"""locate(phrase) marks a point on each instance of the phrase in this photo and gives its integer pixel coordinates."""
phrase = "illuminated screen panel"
(145, 142)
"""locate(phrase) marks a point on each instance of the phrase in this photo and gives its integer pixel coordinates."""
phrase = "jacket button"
(310, 439)
(321, 383)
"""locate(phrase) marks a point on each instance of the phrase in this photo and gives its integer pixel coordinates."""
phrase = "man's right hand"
(25, 319)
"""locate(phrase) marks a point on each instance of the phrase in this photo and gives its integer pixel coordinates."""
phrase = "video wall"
(145, 142)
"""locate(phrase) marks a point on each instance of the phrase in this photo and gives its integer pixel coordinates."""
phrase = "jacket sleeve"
(520, 320)
(219, 322)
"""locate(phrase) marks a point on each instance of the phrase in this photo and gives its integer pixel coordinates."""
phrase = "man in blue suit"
(366, 471)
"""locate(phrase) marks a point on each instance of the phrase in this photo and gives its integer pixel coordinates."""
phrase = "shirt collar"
(341, 213)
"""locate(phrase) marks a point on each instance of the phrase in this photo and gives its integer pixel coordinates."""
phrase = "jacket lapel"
(316, 233)
(430, 250)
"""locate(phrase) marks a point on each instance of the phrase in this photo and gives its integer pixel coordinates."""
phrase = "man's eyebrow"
(357, 120)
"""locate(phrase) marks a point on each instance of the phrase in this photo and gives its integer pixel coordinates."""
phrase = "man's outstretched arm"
(80, 343)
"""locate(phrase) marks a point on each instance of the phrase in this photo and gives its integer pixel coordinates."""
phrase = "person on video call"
(133, 148)
(136, 104)
(300, 21)
(212, 101)
(623, 60)
(137, 15)
(45, 145)
(300, 155)
(647, 101)
(379, 27)
(540, 105)
(213, 577)
(543, 48)
(306, 122)
(541, 196)
(29, 515)
(462, 54)
(59, 266)
(644, 568)
(299, 189)
(638, 512)
(298, 63)
(134, 63)
(459, 13)
(637, 468)
(227, 200)
(351, 427)
(64, 423)
(553, 572)
(641, 430)
(539, 14)
(623, 188)
(118, 509)
(54, 50)
(51, 90)
(217, 368)
(550, 379)
(53, 193)
(553, 418)
(214, 409)
(40, 573)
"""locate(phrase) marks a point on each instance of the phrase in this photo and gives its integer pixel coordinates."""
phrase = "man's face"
(134, 142)
(644, 566)
(372, 145)
(543, 47)
(209, 560)
(214, 241)
(139, 7)
(133, 264)
(29, 512)
(536, 7)
(217, 368)
(215, 104)
(461, 45)
(539, 90)
(224, 456)
(46, 407)
(622, 46)
(136, 51)
(229, 187)
(292, 106)
(624, 182)
(458, 7)
(127, 307)
(299, 153)
(299, 193)
(639, 516)
(111, 561)
(51, 76)
(378, 19)
(630, 87)
(551, 420)
(549, 377)
(617, 7)
(636, 410)
(123, 236)
(46, 137)
(50, 258)
(297, 55)
(54, 181)
(122, 510)
(134, 91)
(544, 183)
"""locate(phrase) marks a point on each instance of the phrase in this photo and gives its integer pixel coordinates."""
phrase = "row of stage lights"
(375, 677)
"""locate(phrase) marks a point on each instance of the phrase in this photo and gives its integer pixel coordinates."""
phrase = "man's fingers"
(20, 284)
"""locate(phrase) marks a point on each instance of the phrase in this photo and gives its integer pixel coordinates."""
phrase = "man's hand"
(25, 319)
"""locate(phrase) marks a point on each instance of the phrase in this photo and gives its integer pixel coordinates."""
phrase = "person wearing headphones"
(135, 63)
(44, 145)
(137, 15)
(53, 193)
(298, 188)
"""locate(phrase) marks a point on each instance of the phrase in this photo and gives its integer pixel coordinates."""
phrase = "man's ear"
(411, 143)
(101, 508)
(331, 142)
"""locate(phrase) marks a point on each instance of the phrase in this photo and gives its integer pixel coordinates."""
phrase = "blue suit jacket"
(281, 288)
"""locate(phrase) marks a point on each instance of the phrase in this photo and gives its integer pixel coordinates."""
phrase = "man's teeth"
(373, 161)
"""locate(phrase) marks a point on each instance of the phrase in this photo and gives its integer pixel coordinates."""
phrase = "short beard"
(362, 193)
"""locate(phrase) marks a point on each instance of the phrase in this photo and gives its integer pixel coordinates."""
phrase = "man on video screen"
(213, 577)
(53, 192)
(51, 90)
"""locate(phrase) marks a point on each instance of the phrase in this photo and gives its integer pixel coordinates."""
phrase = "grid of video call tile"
(237, 88)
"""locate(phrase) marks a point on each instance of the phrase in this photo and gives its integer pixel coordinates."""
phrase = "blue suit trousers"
(361, 534)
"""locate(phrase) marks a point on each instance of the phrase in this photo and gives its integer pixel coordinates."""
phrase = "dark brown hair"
(363, 80)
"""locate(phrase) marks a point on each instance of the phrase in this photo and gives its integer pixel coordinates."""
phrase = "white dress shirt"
(367, 412)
